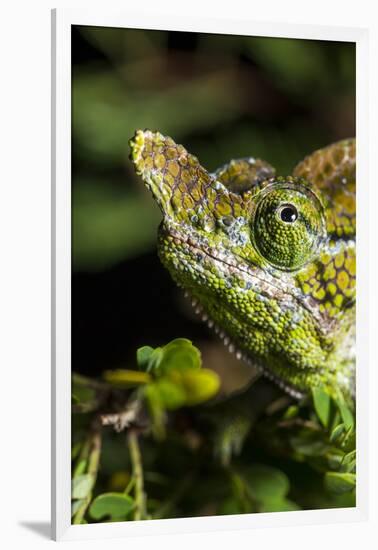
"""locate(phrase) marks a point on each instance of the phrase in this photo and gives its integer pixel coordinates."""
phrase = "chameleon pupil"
(288, 213)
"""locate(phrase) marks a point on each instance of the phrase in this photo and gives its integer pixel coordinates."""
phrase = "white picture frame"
(62, 20)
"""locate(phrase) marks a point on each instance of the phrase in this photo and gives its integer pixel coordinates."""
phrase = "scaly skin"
(270, 261)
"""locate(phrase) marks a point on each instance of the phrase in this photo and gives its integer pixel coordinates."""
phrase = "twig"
(122, 419)
(136, 462)
(93, 448)
(89, 382)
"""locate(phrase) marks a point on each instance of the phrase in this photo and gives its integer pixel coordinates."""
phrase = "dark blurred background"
(222, 97)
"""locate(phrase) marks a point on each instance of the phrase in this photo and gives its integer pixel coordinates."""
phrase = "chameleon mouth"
(228, 342)
(265, 286)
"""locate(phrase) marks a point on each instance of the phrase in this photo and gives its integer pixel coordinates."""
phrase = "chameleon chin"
(269, 261)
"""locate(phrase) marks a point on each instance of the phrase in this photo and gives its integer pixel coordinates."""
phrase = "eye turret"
(288, 224)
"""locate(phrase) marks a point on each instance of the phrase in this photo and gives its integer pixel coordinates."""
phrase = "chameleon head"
(252, 250)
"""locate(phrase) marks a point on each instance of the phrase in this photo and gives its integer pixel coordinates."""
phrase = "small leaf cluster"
(168, 378)
(325, 439)
(172, 377)
(183, 453)
(338, 419)
(258, 488)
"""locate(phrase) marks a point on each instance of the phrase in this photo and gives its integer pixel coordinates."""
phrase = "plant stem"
(93, 444)
(136, 462)
(89, 382)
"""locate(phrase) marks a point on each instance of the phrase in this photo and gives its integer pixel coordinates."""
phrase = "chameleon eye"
(288, 225)
(288, 213)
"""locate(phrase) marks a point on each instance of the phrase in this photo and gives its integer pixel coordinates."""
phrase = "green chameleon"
(268, 261)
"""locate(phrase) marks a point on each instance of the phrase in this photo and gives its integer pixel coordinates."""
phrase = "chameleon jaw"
(176, 239)
(233, 348)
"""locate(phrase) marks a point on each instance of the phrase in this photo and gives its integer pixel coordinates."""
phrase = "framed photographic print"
(209, 353)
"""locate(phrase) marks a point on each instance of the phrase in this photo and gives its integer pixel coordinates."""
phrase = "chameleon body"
(269, 261)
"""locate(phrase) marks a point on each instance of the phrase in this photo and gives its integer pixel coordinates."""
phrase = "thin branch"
(89, 382)
(136, 462)
(122, 419)
(93, 448)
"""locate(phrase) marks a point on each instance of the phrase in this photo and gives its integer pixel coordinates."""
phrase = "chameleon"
(269, 261)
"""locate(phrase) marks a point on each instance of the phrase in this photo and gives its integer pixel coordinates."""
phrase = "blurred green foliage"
(167, 455)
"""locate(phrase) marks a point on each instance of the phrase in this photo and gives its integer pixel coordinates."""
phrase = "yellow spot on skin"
(193, 161)
(173, 168)
(185, 176)
(224, 208)
(306, 288)
(176, 202)
(325, 258)
(171, 153)
(319, 294)
(169, 179)
(340, 231)
(149, 163)
(311, 271)
(196, 192)
(339, 260)
(331, 288)
(350, 265)
(188, 202)
(159, 161)
(147, 149)
(342, 280)
(349, 292)
(338, 300)
(330, 272)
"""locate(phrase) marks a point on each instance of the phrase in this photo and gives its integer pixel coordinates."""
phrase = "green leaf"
(309, 446)
(348, 442)
(74, 399)
(348, 464)
(337, 432)
(334, 457)
(346, 414)
(230, 505)
(178, 389)
(200, 385)
(322, 403)
(81, 393)
(171, 395)
(82, 486)
(116, 506)
(125, 378)
(340, 483)
(179, 354)
(75, 505)
(278, 505)
(266, 483)
(80, 467)
(144, 355)
(291, 412)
